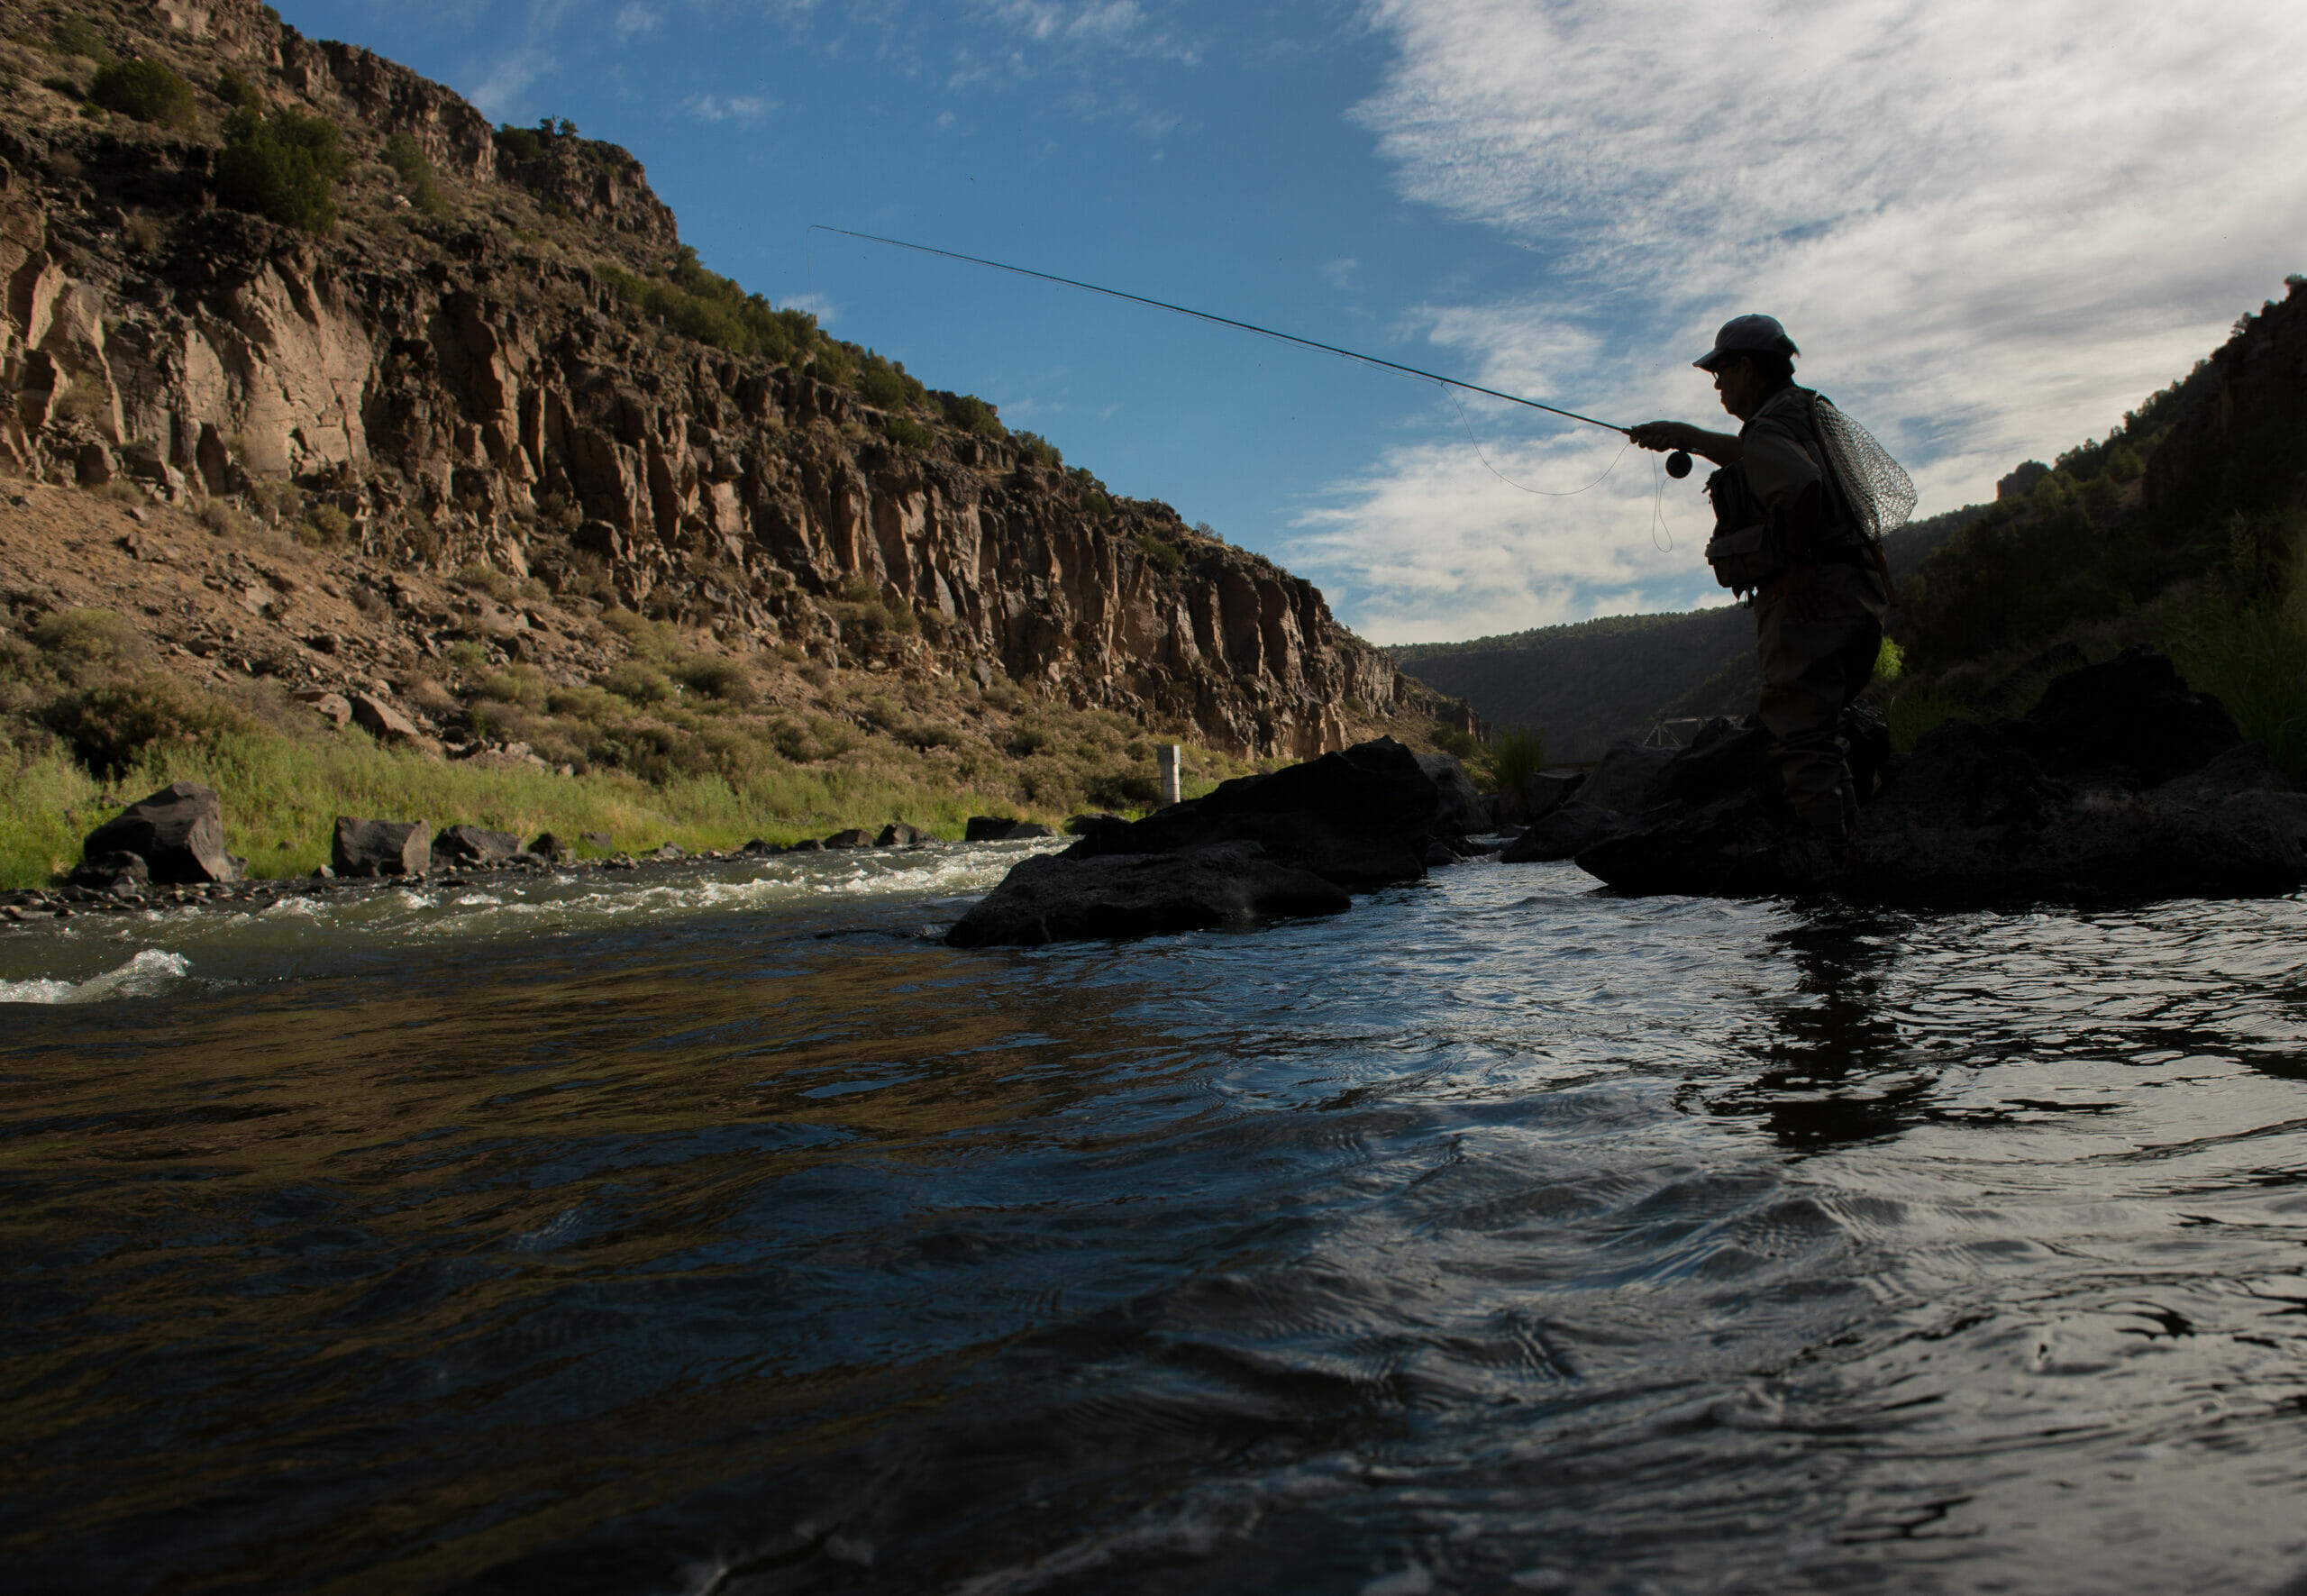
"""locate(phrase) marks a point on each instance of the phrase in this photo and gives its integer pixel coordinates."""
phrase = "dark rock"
(1363, 817)
(546, 845)
(1459, 810)
(852, 838)
(992, 828)
(806, 845)
(118, 874)
(1083, 824)
(1439, 855)
(598, 839)
(381, 847)
(760, 846)
(1545, 791)
(178, 832)
(1059, 897)
(1629, 780)
(2121, 784)
(471, 845)
(898, 835)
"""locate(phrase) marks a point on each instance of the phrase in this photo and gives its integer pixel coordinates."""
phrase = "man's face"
(1740, 387)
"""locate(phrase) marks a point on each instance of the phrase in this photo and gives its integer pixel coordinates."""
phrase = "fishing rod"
(1678, 458)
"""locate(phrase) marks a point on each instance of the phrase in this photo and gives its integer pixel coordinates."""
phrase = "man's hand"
(1659, 436)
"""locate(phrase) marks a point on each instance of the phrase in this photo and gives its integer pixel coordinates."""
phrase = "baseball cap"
(1745, 335)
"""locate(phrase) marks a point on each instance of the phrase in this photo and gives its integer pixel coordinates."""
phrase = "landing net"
(1881, 494)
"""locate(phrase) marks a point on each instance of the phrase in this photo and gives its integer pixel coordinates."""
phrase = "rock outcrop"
(465, 389)
(179, 834)
(2120, 785)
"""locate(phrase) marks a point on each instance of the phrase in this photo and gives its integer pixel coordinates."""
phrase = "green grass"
(2254, 659)
(282, 795)
(1516, 755)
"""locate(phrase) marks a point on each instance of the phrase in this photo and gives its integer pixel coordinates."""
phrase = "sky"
(1991, 228)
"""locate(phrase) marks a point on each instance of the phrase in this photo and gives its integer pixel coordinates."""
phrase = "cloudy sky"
(1992, 228)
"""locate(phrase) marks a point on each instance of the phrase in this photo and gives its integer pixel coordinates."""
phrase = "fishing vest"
(1748, 550)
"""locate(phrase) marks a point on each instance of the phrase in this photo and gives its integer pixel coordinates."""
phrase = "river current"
(720, 1231)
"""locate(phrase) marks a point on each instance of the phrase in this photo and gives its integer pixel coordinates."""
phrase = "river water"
(719, 1230)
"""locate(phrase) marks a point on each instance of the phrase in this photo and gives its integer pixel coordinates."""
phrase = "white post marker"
(1170, 770)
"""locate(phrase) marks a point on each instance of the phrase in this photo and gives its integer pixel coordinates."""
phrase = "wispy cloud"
(505, 80)
(1339, 273)
(635, 18)
(1991, 227)
(728, 108)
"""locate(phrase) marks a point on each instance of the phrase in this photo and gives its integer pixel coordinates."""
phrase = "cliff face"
(471, 386)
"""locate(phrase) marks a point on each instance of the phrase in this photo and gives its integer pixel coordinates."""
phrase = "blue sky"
(1992, 229)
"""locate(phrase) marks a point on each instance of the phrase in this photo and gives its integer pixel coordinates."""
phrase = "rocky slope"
(463, 381)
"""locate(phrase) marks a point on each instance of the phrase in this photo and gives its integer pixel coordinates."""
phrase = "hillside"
(408, 406)
(1590, 682)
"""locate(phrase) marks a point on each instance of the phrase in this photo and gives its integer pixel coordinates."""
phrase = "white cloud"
(507, 78)
(1992, 227)
(728, 108)
(1339, 273)
(635, 18)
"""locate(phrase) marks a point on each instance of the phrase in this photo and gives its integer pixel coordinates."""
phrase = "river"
(718, 1230)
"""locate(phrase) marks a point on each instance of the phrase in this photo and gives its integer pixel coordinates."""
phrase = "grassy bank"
(282, 796)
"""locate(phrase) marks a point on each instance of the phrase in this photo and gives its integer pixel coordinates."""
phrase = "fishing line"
(1203, 316)
(1541, 492)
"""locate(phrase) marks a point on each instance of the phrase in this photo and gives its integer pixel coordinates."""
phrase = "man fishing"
(1785, 530)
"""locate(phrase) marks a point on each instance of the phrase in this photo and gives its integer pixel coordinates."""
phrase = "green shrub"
(831, 364)
(713, 309)
(2254, 659)
(237, 89)
(324, 525)
(517, 684)
(1161, 554)
(639, 683)
(1516, 755)
(972, 415)
(485, 579)
(885, 383)
(78, 36)
(905, 431)
(283, 167)
(1040, 448)
(521, 144)
(1889, 661)
(85, 639)
(114, 725)
(147, 91)
(716, 677)
(406, 157)
(1451, 740)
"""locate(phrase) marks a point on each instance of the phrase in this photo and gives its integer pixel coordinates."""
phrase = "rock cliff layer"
(474, 385)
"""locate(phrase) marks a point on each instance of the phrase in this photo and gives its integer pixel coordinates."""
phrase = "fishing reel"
(1678, 464)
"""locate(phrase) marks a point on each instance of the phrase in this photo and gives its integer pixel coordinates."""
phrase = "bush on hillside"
(1161, 554)
(283, 167)
(78, 36)
(112, 726)
(406, 157)
(886, 384)
(237, 89)
(1040, 448)
(972, 415)
(147, 91)
(713, 309)
(1516, 755)
(905, 430)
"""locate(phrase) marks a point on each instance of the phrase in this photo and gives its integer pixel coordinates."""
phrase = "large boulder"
(472, 844)
(992, 828)
(1364, 817)
(381, 721)
(178, 832)
(2121, 784)
(1060, 898)
(381, 847)
(1629, 781)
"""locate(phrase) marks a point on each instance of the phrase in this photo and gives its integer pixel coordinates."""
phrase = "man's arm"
(1722, 448)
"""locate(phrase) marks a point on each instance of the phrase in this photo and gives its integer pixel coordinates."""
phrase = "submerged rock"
(381, 847)
(992, 828)
(1060, 898)
(2119, 784)
(178, 832)
(897, 834)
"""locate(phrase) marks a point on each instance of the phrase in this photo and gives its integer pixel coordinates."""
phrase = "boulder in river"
(1061, 898)
(854, 837)
(121, 875)
(381, 847)
(2121, 784)
(1362, 818)
(461, 845)
(546, 844)
(178, 832)
(993, 828)
(898, 835)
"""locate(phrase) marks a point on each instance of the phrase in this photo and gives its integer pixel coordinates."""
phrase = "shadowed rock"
(1060, 898)
(471, 845)
(381, 847)
(992, 828)
(2121, 784)
(178, 832)
(1363, 818)
(898, 835)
